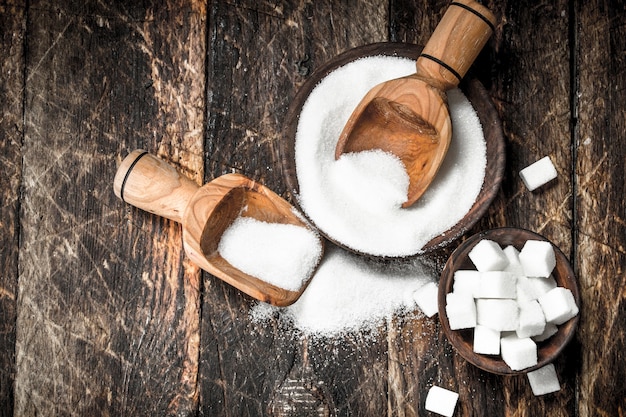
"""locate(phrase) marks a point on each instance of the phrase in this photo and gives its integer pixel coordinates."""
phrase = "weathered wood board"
(101, 312)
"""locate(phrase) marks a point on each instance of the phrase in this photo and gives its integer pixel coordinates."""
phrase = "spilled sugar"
(355, 200)
(351, 294)
(283, 255)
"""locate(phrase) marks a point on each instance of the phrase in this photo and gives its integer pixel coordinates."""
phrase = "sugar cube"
(532, 322)
(502, 315)
(426, 298)
(525, 290)
(558, 305)
(466, 281)
(496, 284)
(514, 266)
(487, 255)
(441, 401)
(518, 353)
(460, 310)
(537, 258)
(549, 330)
(544, 380)
(538, 173)
(531, 288)
(542, 285)
(486, 340)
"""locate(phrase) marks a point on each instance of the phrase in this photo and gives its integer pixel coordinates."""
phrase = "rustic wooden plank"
(259, 54)
(12, 32)
(601, 210)
(108, 310)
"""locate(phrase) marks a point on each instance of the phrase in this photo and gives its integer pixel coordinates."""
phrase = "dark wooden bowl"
(462, 340)
(474, 91)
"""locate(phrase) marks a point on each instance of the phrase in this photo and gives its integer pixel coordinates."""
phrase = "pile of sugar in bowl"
(356, 200)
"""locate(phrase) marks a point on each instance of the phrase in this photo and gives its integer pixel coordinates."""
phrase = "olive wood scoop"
(409, 116)
(153, 185)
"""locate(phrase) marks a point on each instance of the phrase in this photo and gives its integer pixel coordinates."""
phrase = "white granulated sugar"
(346, 203)
(283, 255)
(379, 181)
(352, 294)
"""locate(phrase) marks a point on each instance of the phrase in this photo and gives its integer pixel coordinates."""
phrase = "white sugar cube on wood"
(502, 315)
(487, 255)
(548, 331)
(496, 284)
(537, 258)
(486, 340)
(460, 310)
(466, 281)
(518, 353)
(441, 401)
(558, 305)
(426, 298)
(538, 173)
(532, 322)
(544, 380)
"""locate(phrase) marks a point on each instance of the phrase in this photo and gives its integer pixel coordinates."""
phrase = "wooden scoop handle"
(153, 185)
(455, 43)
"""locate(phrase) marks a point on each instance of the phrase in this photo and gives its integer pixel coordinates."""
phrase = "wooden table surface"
(101, 312)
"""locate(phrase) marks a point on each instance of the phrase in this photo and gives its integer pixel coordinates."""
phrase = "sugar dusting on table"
(284, 255)
(351, 294)
(354, 200)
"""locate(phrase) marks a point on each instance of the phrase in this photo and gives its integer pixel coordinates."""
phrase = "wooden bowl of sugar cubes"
(508, 301)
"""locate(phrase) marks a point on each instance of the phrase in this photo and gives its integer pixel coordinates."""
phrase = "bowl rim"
(547, 350)
(471, 87)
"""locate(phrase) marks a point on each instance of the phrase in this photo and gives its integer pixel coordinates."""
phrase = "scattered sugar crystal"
(518, 353)
(426, 298)
(537, 258)
(502, 315)
(466, 281)
(366, 217)
(496, 284)
(558, 305)
(460, 310)
(532, 322)
(284, 255)
(549, 330)
(544, 380)
(514, 266)
(351, 294)
(487, 255)
(441, 401)
(486, 340)
(538, 173)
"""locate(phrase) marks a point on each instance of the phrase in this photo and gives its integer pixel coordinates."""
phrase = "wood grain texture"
(108, 323)
(601, 210)
(12, 33)
(101, 313)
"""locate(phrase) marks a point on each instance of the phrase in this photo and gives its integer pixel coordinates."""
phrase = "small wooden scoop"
(205, 213)
(409, 116)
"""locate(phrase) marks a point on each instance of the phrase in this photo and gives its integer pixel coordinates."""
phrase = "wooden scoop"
(409, 116)
(205, 213)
